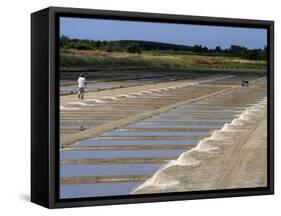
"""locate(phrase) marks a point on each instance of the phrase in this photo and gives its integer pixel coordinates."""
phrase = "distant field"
(94, 59)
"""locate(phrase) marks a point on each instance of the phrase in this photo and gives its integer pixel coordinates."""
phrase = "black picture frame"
(45, 107)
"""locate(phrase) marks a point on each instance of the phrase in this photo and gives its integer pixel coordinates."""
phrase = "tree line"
(138, 46)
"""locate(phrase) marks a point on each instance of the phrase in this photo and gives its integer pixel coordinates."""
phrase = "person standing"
(82, 84)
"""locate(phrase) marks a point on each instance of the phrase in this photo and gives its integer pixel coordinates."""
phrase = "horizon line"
(170, 43)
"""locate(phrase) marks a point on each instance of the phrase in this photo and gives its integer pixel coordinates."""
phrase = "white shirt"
(81, 82)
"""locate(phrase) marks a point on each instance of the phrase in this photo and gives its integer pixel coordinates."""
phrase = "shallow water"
(194, 117)
(80, 154)
(74, 127)
(163, 126)
(81, 121)
(68, 170)
(95, 86)
(106, 142)
(187, 120)
(96, 190)
(207, 110)
(203, 108)
(197, 115)
(153, 133)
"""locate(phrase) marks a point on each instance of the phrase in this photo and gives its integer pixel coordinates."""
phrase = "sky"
(185, 34)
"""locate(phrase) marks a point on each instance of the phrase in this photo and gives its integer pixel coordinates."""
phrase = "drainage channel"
(117, 162)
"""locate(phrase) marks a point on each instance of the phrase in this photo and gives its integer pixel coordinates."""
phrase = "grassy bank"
(93, 59)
